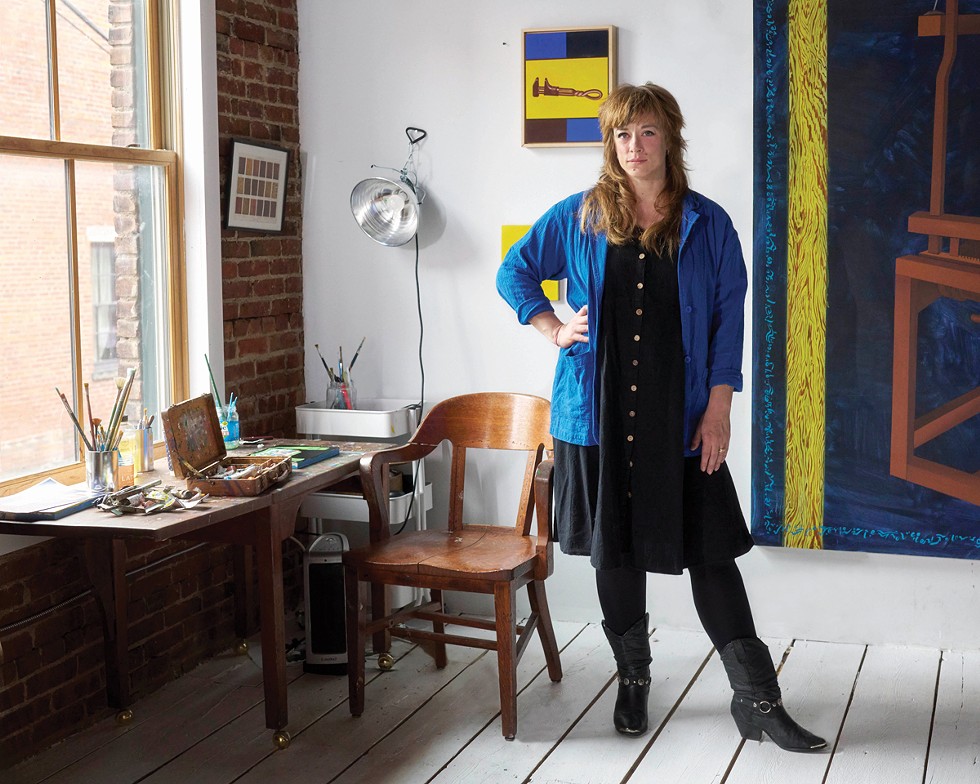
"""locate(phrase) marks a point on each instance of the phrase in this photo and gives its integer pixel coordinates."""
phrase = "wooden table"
(262, 522)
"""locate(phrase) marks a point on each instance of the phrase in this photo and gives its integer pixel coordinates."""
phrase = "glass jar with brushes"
(230, 425)
(341, 394)
(340, 389)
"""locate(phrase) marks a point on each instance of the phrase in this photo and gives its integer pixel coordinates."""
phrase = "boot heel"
(748, 731)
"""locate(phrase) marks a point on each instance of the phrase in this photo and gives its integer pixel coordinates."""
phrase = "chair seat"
(482, 552)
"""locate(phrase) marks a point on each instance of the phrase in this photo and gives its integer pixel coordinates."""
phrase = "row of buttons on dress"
(635, 362)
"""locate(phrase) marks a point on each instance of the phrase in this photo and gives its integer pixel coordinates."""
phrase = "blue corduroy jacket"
(711, 281)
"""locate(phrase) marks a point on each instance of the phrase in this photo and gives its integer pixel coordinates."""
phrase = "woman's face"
(641, 149)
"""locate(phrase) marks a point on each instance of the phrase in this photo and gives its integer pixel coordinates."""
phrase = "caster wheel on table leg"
(241, 648)
(124, 717)
(386, 661)
(281, 740)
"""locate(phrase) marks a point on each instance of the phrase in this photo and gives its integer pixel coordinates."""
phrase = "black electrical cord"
(418, 302)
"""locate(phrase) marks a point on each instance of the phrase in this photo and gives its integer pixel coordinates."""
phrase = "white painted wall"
(454, 68)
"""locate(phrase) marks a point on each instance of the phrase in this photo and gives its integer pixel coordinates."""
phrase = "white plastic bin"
(370, 421)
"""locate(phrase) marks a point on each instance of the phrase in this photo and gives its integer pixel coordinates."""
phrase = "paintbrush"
(74, 420)
(130, 378)
(122, 397)
(350, 367)
(325, 365)
(217, 398)
(88, 404)
(112, 414)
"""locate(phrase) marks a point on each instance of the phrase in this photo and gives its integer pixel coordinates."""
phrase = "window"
(91, 274)
(103, 255)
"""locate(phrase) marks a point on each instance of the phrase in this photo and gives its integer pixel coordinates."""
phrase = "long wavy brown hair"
(610, 206)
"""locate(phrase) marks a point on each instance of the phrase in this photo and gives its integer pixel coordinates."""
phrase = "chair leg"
(356, 640)
(439, 628)
(504, 596)
(539, 604)
(381, 642)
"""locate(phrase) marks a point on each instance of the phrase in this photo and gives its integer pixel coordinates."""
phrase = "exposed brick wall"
(258, 73)
(52, 675)
(52, 670)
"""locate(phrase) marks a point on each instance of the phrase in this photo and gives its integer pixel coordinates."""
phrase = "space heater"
(326, 626)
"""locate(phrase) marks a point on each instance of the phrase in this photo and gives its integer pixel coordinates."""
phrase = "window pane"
(122, 275)
(35, 432)
(122, 301)
(24, 70)
(102, 71)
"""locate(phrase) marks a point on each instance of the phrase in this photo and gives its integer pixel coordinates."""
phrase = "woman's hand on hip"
(575, 331)
(563, 335)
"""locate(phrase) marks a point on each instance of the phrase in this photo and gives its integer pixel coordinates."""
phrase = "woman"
(642, 399)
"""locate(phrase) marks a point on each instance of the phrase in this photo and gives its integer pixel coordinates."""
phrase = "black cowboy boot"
(757, 706)
(632, 652)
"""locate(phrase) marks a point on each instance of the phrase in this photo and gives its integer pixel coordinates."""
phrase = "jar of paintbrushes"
(101, 440)
(341, 393)
(227, 415)
(230, 426)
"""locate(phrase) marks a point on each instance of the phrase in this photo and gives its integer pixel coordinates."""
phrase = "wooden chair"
(490, 559)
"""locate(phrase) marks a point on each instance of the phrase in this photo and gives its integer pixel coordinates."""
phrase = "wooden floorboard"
(890, 714)
(337, 740)
(954, 752)
(886, 732)
(546, 711)
(418, 750)
(593, 751)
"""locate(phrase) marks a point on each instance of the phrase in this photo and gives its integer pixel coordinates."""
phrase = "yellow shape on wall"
(511, 234)
(806, 271)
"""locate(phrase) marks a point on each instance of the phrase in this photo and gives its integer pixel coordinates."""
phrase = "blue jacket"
(711, 282)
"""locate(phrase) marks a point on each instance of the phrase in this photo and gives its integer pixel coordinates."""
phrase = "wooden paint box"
(197, 453)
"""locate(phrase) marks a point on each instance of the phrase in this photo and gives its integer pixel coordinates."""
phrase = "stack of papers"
(47, 500)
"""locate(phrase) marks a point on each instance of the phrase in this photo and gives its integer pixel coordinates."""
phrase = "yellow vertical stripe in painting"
(806, 269)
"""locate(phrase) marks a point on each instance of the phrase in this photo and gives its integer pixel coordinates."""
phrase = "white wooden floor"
(891, 715)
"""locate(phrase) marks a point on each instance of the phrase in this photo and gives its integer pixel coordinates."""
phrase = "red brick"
(248, 31)
(267, 287)
(254, 268)
(281, 39)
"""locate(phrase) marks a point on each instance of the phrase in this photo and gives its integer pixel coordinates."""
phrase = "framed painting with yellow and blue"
(866, 420)
(568, 73)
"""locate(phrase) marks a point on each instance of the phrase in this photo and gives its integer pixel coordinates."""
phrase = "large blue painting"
(852, 450)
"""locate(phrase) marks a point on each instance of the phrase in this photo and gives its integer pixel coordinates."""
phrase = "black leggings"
(719, 597)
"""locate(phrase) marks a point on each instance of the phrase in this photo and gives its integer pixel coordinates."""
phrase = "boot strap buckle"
(634, 681)
(766, 706)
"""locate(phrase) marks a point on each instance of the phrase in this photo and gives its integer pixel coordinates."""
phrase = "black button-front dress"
(635, 500)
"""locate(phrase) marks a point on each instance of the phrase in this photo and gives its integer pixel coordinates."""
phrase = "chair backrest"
(489, 420)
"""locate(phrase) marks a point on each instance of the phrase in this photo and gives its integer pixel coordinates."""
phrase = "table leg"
(268, 549)
(271, 528)
(105, 561)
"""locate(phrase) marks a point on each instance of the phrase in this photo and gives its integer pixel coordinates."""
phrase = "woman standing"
(642, 399)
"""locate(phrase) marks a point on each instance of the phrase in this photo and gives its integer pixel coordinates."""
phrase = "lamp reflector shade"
(387, 211)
